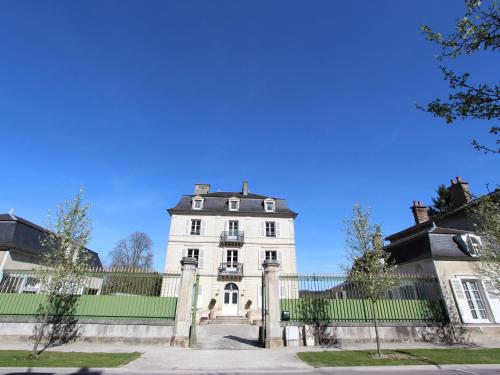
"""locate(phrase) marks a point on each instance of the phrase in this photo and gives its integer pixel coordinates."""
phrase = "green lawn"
(401, 357)
(19, 358)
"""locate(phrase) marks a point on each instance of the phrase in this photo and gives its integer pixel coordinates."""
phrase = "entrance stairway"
(229, 320)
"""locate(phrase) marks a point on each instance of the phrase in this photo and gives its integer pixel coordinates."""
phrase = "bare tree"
(134, 252)
(371, 270)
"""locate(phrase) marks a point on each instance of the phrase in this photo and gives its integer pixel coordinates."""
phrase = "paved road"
(472, 370)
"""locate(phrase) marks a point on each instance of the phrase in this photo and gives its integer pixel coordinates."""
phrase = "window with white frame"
(270, 229)
(195, 227)
(197, 203)
(193, 253)
(271, 255)
(474, 299)
(234, 205)
(269, 205)
(470, 243)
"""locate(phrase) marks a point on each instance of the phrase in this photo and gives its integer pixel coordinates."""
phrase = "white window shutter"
(226, 226)
(187, 227)
(278, 229)
(262, 257)
(184, 252)
(493, 299)
(199, 303)
(262, 228)
(202, 227)
(201, 258)
(461, 300)
(279, 258)
(259, 296)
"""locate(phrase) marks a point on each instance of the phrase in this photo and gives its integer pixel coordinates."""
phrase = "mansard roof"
(21, 235)
(217, 204)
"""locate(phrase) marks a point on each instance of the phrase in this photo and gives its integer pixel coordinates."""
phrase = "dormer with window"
(470, 243)
(197, 203)
(234, 204)
(269, 205)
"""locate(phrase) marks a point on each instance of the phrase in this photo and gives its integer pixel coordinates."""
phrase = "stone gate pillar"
(274, 332)
(182, 323)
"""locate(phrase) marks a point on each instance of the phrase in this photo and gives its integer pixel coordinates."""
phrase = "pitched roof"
(217, 203)
(433, 243)
(433, 221)
(20, 234)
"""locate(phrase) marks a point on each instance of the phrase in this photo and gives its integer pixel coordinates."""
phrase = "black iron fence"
(330, 299)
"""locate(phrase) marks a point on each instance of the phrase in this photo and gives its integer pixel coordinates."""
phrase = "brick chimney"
(201, 189)
(420, 212)
(459, 192)
(245, 188)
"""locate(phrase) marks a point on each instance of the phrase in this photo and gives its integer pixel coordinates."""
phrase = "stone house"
(447, 247)
(231, 234)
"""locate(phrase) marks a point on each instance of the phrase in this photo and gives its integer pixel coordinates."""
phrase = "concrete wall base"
(180, 342)
(274, 343)
(458, 334)
(102, 331)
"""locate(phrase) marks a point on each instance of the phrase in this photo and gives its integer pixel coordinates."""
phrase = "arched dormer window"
(234, 204)
(269, 205)
(470, 243)
(197, 203)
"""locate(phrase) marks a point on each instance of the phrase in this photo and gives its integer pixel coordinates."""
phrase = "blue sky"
(310, 101)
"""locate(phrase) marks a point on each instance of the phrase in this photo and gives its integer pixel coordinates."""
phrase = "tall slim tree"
(477, 30)
(134, 252)
(371, 270)
(442, 202)
(487, 217)
(63, 262)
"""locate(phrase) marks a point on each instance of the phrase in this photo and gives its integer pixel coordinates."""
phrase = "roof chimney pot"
(245, 188)
(420, 212)
(200, 189)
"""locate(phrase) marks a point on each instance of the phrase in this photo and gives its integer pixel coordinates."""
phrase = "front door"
(230, 306)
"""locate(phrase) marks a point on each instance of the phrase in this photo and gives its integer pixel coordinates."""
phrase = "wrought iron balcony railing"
(230, 271)
(232, 238)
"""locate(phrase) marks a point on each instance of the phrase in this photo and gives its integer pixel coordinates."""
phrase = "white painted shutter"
(259, 296)
(199, 303)
(279, 258)
(202, 227)
(201, 258)
(262, 257)
(461, 300)
(184, 252)
(187, 227)
(493, 299)
(278, 229)
(262, 228)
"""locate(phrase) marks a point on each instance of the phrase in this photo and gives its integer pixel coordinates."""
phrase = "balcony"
(230, 271)
(232, 238)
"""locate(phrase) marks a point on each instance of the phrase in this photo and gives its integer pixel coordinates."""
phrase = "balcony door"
(231, 259)
(230, 306)
(232, 229)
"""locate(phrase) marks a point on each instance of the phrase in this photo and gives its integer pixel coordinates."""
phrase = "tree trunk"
(375, 323)
(39, 336)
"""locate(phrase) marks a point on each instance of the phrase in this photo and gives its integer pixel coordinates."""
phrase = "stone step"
(229, 320)
(227, 336)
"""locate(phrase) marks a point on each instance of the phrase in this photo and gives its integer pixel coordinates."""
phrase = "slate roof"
(433, 243)
(217, 204)
(19, 234)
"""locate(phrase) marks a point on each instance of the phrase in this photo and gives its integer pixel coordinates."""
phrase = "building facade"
(231, 234)
(447, 247)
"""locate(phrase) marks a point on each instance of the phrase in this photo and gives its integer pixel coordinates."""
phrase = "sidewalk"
(157, 358)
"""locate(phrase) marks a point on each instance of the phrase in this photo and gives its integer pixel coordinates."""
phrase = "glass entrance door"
(230, 306)
(232, 258)
(233, 229)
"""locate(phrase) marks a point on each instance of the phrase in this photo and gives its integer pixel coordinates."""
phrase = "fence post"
(273, 330)
(182, 323)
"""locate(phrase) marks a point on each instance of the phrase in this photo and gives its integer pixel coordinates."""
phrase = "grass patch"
(401, 357)
(19, 358)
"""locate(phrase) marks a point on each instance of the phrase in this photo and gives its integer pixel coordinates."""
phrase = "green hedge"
(91, 306)
(358, 310)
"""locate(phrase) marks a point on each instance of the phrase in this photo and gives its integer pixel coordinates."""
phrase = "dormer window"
(197, 203)
(234, 204)
(470, 243)
(269, 205)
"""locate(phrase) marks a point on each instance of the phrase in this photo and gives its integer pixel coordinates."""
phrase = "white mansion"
(231, 234)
